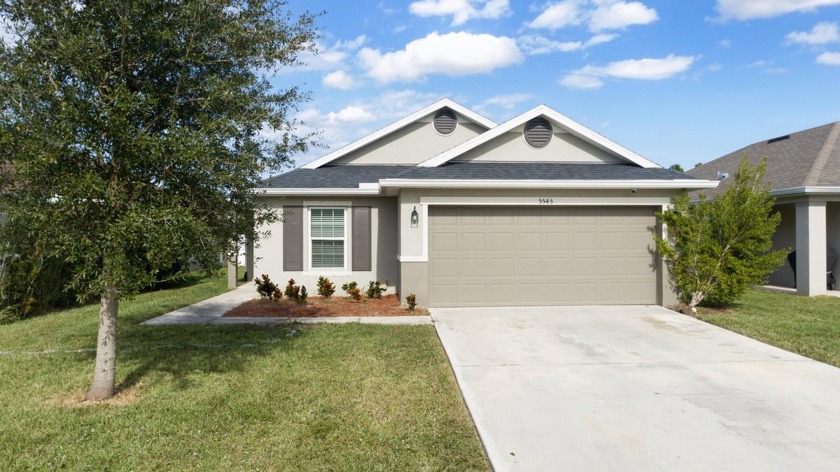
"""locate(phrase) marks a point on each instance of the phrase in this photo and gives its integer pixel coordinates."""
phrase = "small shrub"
(268, 289)
(325, 287)
(303, 295)
(375, 290)
(411, 301)
(352, 290)
(292, 291)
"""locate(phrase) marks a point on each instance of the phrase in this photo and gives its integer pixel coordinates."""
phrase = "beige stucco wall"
(413, 144)
(563, 147)
(384, 265)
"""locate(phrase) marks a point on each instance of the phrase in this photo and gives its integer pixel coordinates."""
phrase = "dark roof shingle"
(350, 176)
(806, 158)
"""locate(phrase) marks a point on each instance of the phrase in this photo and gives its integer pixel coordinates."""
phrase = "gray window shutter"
(292, 238)
(361, 239)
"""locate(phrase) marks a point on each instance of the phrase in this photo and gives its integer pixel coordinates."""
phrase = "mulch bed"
(388, 305)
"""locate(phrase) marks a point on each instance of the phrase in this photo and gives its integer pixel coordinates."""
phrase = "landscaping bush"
(352, 290)
(292, 291)
(717, 248)
(268, 289)
(303, 295)
(375, 290)
(325, 288)
(411, 301)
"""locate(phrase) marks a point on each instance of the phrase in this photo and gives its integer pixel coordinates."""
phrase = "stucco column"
(249, 261)
(810, 248)
(232, 267)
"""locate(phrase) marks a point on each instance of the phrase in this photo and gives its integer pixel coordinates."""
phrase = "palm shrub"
(375, 290)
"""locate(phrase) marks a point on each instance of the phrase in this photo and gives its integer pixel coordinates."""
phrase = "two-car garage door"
(507, 256)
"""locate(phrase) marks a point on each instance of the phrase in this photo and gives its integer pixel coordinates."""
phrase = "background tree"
(676, 167)
(135, 131)
(717, 248)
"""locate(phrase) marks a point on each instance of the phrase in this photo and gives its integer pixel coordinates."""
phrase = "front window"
(326, 233)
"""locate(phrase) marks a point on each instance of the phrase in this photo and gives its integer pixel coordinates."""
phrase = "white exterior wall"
(563, 147)
(384, 265)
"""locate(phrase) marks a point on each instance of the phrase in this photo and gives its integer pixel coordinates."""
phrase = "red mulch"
(388, 305)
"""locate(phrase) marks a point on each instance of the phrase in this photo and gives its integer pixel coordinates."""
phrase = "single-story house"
(803, 170)
(461, 211)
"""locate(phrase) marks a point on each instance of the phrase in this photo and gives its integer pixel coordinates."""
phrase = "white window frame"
(328, 271)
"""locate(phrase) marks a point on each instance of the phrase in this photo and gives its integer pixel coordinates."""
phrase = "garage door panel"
(473, 267)
(502, 241)
(540, 256)
(472, 241)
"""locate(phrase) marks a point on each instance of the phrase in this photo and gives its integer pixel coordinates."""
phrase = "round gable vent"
(445, 121)
(538, 132)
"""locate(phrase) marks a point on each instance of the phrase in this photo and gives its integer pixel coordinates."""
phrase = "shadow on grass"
(180, 352)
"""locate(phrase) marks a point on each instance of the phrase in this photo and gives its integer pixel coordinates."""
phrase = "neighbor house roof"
(798, 163)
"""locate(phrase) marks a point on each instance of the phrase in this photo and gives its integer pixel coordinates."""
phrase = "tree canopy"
(135, 131)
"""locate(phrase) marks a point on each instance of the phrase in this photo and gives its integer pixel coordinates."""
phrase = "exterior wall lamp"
(415, 218)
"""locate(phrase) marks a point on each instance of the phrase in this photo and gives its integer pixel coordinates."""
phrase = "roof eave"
(807, 190)
(686, 184)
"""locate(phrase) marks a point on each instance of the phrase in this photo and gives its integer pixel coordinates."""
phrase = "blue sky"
(676, 81)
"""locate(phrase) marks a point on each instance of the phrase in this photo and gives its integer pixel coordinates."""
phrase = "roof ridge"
(830, 142)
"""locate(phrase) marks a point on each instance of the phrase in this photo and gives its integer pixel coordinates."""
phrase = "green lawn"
(326, 397)
(807, 326)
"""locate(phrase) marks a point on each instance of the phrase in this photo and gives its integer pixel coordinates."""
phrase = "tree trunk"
(106, 347)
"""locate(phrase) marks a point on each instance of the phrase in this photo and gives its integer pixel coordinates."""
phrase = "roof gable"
(808, 158)
(601, 148)
(413, 125)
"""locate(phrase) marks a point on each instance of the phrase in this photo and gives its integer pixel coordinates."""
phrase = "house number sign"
(546, 201)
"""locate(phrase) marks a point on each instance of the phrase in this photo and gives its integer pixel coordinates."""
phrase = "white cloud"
(506, 101)
(453, 54)
(350, 114)
(340, 80)
(559, 15)
(638, 69)
(598, 15)
(534, 44)
(821, 33)
(461, 11)
(751, 9)
(725, 43)
(829, 59)
(329, 57)
(619, 15)
(581, 81)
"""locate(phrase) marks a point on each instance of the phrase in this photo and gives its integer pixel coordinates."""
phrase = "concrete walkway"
(637, 389)
(210, 311)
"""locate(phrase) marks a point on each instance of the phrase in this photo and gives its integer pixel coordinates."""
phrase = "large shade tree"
(135, 131)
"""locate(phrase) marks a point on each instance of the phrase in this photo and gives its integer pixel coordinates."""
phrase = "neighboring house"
(803, 170)
(461, 211)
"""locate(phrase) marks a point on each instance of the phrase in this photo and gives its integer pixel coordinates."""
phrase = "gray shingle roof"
(334, 176)
(540, 171)
(806, 158)
(350, 176)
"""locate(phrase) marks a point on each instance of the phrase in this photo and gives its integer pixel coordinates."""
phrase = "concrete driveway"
(637, 389)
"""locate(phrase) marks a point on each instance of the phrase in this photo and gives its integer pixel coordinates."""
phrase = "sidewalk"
(210, 311)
